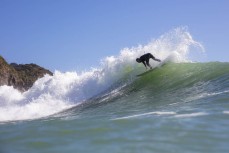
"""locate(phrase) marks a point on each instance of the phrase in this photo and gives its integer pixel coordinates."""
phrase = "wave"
(145, 114)
(53, 94)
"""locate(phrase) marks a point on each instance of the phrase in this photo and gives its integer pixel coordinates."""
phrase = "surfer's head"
(138, 60)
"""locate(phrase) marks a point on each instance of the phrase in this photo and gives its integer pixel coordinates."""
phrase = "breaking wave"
(64, 90)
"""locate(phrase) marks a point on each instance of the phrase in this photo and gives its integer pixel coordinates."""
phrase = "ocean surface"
(180, 106)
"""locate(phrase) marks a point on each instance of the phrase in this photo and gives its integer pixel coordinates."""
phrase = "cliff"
(20, 76)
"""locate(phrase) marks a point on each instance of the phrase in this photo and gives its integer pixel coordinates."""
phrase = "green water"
(175, 108)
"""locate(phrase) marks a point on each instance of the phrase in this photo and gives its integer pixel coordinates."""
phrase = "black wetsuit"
(145, 59)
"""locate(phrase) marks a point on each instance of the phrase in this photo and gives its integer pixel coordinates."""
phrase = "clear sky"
(71, 35)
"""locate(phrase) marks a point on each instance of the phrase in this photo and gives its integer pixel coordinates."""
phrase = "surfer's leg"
(151, 56)
(147, 63)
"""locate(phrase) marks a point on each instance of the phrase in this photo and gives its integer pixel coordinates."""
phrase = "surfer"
(145, 59)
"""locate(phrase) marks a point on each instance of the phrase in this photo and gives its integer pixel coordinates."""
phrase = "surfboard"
(149, 71)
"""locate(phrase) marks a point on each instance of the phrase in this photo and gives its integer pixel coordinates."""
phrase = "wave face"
(115, 78)
(178, 90)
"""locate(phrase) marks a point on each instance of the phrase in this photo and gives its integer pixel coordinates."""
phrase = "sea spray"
(52, 94)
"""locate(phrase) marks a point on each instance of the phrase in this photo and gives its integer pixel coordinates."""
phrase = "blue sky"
(71, 35)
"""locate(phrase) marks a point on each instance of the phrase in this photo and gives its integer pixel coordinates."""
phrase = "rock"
(20, 76)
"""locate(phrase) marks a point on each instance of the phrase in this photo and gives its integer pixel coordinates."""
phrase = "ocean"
(180, 106)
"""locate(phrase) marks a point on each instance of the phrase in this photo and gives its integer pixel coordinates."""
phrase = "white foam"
(9, 96)
(145, 114)
(52, 94)
(190, 115)
(205, 95)
(225, 112)
(43, 106)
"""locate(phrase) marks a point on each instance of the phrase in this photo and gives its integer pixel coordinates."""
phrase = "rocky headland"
(20, 76)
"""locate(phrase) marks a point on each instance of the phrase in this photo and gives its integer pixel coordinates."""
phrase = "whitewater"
(182, 104)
